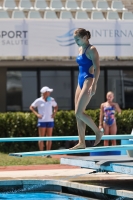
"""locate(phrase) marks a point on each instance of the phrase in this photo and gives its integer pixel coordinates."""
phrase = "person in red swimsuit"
(107, 117)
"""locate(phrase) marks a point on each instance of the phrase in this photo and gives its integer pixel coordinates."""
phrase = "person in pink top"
(107, 120)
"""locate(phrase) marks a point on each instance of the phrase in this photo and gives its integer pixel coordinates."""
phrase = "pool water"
(39, 196)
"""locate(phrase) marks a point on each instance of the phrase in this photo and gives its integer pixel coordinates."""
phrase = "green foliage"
(18, 125)
(24, 125)
(125, 122)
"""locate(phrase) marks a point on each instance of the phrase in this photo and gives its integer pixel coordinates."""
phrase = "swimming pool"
(38, 190)
(59, 189)
(39, 196)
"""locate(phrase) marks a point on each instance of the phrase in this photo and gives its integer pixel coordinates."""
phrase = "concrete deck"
(64, 175)
(71, 168)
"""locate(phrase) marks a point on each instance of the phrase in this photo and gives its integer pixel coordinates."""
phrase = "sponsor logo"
(14, 37)
(85, 76)
(111, 33)
(66, 39)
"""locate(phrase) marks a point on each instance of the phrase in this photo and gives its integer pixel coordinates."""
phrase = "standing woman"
(89, 71)
(46, 111)
(107, 117)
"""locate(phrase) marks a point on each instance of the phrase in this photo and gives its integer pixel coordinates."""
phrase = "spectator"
(107, 117)
(46, 111)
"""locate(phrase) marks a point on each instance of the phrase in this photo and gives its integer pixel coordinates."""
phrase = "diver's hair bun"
(81, 32)
(89, 34)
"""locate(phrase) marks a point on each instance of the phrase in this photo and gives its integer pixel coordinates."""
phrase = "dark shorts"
(45, 124)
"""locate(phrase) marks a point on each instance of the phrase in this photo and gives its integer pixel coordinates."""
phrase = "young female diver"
(107, 117)
(89, 70)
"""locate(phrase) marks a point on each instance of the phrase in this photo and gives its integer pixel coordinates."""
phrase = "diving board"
(67, 151)
(64, 138)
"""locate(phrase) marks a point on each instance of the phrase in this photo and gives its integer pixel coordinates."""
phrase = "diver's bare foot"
(78, 146)
(98, 138)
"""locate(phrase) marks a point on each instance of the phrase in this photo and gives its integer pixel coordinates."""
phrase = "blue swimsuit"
(84, 66)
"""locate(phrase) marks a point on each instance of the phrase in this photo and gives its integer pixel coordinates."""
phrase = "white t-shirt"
(45, 108)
